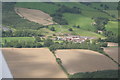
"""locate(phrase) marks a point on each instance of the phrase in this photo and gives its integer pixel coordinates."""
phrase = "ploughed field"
(35, 16)
(80, 60)
(112, 52)
(32, 63)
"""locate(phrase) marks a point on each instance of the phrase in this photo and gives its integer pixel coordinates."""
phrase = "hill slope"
(84, 19)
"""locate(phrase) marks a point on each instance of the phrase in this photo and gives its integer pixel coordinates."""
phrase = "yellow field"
(80, 60)
(32, 63)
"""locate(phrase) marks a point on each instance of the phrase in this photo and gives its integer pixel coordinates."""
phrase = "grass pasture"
(112, 26)
(8, 39)
(80, 60)
(76, 31)
(76, 19)
(112, 5)
(48, 8)
(113, 12)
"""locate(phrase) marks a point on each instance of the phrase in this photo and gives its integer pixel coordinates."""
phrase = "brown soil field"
(112, 44)
(32, 63)
(35, 16)
(80, 60)
(112, 52)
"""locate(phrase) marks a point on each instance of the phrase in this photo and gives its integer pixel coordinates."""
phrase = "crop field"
(112, 52)
(32, 63)
(34, 15)
(80, 60)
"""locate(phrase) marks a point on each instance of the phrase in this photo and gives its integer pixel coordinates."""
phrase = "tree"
(106, 7)
(48, 42)
(59, 60)
(38, 45)
(38, 39)
(52, 29)
(78, 26)
(101, 5)
(100, 23)
(18, 45)
(70, 29)
(103, 44)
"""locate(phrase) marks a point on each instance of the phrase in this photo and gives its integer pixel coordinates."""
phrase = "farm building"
(74, 38)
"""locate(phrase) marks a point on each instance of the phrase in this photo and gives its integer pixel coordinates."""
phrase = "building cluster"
(74, 38)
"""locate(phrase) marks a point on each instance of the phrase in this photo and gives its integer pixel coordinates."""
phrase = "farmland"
(60, 39)
(17, 38)
(112, 52)
(76, 61)
(34, 15)
(112, 26)
(48, 8)
(84, 19)
(76, 19)
(32, 63)
(81, 32)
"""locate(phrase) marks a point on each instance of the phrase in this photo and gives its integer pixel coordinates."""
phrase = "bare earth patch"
(32, 63)
(35, 15)
(112, 44)
(112, 52)
(79, 60)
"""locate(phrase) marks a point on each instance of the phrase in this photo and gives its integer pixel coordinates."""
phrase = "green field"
(113, 12)
(112, 26)
(48, 8)
(76, 31)
(8, 39)
(83, 19)
(111, 5)
(51, 8)
(76, 19)
(86, 10)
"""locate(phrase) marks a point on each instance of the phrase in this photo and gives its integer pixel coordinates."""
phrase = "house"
(74, 38)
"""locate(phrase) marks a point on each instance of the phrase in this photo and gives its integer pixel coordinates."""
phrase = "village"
(74, 38)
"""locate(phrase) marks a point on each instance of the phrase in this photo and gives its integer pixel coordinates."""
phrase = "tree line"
(22, 33)
(39, 42)
(95, 46)
(97, 74)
